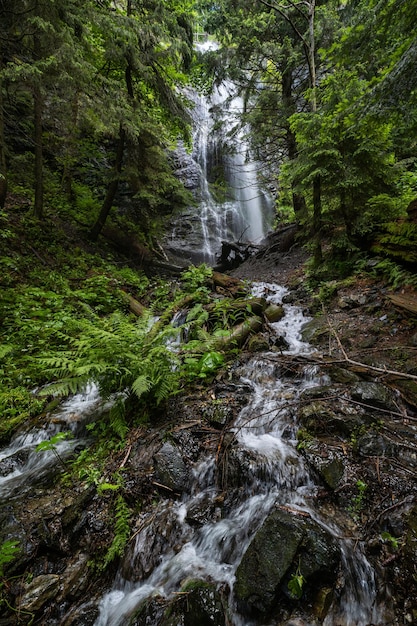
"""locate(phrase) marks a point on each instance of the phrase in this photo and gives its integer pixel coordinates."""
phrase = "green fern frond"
(140, 385)
(118, 419)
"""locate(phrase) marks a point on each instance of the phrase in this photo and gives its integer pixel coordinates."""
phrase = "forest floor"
(360, 311)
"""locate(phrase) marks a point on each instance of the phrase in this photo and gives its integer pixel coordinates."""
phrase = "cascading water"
(22, 464)
(275, 478)
(232, 206)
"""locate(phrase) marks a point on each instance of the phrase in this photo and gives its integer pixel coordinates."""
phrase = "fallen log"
(136, 307)
(407, 302)
(234, 286)
(239, 334)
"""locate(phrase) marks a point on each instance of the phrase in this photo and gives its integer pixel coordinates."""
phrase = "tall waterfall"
(224, 178)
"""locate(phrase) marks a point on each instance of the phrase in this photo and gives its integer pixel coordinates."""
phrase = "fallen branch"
(369, 368)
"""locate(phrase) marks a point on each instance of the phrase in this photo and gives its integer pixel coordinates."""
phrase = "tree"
(149, 57)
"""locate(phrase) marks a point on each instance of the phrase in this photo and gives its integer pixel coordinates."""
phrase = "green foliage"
(16, 404)
(357, 503)
(51, 444)
(205, 366)
(196, 278)
(120, 356)
(395, 274)
(9, 550)
(121, 531)
(390, 539)
(398, 242)
(296, 584)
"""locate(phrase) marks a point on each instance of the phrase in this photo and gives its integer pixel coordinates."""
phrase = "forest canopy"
(92, 103)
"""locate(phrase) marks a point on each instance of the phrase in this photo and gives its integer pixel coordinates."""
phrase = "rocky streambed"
(283, 493)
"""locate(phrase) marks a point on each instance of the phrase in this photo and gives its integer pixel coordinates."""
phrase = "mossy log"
(234, 286)
(136, 307)
(239, 334)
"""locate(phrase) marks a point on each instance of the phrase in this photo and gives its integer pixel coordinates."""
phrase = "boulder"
(285, 544)
(38, 592)
(374, 394)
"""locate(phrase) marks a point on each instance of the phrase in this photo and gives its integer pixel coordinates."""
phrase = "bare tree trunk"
(112, 188)
(3, 167)
(298, 201)
(38, 104)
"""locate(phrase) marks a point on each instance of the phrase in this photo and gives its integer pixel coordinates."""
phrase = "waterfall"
(264, 436)
(224, 177)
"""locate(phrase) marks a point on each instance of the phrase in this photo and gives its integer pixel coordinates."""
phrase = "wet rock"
(274, 312)
(342, 375)
(218, 413)
(352, 300)
(201, 510)
(258, 343)
(374, 394)
(327, 463)
(323, 602)
(203, 605)
(408, 390)
(38, 592)
(319, 418)
(83, 615)
(75, 577)
(170, 469)
(156, 533)
(285, 544)
(14, 462)
(374, 444)
(314, 329)
(200, 603)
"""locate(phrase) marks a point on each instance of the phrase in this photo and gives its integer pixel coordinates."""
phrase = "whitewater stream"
(28, 459)
(265, 433)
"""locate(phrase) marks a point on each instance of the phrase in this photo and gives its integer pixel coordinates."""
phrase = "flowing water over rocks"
(246, 524)
(269, 500)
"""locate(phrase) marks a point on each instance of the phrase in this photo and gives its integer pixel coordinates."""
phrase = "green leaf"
(295, 585)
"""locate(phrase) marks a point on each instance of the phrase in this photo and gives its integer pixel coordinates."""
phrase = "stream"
(275, 478)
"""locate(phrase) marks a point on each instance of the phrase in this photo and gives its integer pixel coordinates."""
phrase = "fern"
(396, 275)
(118, 419)
(9, 550)
(121, 531)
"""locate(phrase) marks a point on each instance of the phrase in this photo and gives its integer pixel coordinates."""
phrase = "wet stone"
(285, 544)
(39, 591)
(374, 394)
(170, 469)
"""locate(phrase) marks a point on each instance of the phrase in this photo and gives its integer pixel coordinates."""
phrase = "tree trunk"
(298, 201)
(37, 119)
(38, 103)
(317, 219)
(112, 188)
(3, 167)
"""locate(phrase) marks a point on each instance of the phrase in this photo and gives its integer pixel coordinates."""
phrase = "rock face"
(285, 544)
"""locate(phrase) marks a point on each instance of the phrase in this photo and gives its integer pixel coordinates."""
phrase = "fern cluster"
(399, 242)
(121, 357)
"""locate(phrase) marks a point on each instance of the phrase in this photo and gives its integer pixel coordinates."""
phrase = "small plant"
(358, 500)
(121, 531)
(196, 278)
(51, 444)
(296, 584)
(390, 539)
(9, 550)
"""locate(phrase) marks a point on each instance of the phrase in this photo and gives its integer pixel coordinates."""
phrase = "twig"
(372, 368)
